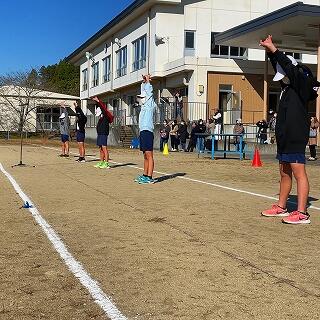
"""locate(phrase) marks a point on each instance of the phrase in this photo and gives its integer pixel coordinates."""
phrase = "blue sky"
(36, 32)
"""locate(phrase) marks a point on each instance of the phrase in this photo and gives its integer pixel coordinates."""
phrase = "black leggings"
(174, 142)
(313, 151)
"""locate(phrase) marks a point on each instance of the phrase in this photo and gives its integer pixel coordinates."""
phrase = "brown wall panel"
(251, 88)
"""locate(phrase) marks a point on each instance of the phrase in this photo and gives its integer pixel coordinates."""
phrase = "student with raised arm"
(146, 127)
(105, 118)
(292, 131)
(81, 121)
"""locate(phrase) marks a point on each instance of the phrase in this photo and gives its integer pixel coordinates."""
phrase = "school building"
(175, 41)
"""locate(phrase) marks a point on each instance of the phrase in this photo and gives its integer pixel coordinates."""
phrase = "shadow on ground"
(171, 176)
(123, 165)
(293, 200)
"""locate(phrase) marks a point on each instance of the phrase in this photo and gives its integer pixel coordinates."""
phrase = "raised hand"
(268, 44)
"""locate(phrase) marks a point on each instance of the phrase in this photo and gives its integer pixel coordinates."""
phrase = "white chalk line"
(197, 181)
(73, 265)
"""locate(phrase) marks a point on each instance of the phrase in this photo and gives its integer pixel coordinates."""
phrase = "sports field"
(192, 246)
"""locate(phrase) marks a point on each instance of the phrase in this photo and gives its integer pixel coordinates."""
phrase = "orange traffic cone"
(256, 162)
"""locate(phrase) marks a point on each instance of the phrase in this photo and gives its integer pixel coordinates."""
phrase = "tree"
(62, 77)
(18, 94)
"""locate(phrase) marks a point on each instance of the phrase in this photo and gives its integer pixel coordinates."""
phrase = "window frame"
(95, 74)
(244, 56)
(84, 73)
(121, 58)
(193, 32)
(139, 53)
(106, 68)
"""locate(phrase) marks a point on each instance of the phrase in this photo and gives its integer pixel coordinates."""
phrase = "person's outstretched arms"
(104, 109)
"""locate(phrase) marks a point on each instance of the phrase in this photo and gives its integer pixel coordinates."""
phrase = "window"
(122, 62)
(95, 73)
(189, 40)
(106, 69)
(84, 79)
(139, 53)
(296, 55)
(189, 43)
(226, 51)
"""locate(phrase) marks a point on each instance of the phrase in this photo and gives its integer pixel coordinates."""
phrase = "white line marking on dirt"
(199, 181)
(73, 265)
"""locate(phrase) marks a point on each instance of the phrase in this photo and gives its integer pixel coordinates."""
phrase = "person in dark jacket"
(81, 121)
(202, 128)
(193, 138)
(262, 131)
(292, 131)
(183, 134)
(164, 134)
(105, 118)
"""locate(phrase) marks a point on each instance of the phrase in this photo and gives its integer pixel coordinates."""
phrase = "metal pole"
(21, 139)
(265, 87)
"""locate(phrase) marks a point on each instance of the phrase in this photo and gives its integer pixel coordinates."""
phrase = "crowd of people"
(179, 132)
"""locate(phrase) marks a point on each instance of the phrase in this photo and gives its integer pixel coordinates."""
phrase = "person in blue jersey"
(146, 127)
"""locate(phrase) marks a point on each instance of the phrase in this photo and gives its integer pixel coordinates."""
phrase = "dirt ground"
(178, 249)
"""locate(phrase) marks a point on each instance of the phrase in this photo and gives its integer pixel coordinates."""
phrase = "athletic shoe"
(312, 159)
(297, 217)
(104, 165)
(147, 180)
(138, 178)
(98, 164)
(81, 159)
(61, 155)
(275, 211)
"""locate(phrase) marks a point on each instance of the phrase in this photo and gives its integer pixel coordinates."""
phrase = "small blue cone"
(27, 205)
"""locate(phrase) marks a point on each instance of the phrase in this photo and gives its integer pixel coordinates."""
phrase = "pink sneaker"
(296, 217)
(275, 211)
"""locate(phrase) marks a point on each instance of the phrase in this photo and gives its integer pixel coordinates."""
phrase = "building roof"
(122, 15)
(294, 28)
(16, 91)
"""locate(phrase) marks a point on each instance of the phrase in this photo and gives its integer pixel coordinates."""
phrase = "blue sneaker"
(147, 180)
(138, 178)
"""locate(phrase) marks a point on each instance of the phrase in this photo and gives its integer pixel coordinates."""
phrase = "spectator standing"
(217, 118)
(202, 128)
(262, 131)
(179, 105)
(272, 127)
(193, 138)
(183, 135)
(238, 129)
(174, 136)
(164, 134)
(313, 138)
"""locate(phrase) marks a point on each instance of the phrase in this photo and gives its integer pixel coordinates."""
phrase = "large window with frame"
(95, 74)
(122, 61)
(84, 79)
(228, 52)
(139, 53)
(189, 42)
(107, 68)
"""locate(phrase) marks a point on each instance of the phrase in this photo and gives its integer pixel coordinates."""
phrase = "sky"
(34, 33)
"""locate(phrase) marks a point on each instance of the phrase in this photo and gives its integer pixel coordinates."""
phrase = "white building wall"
(168, 59)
